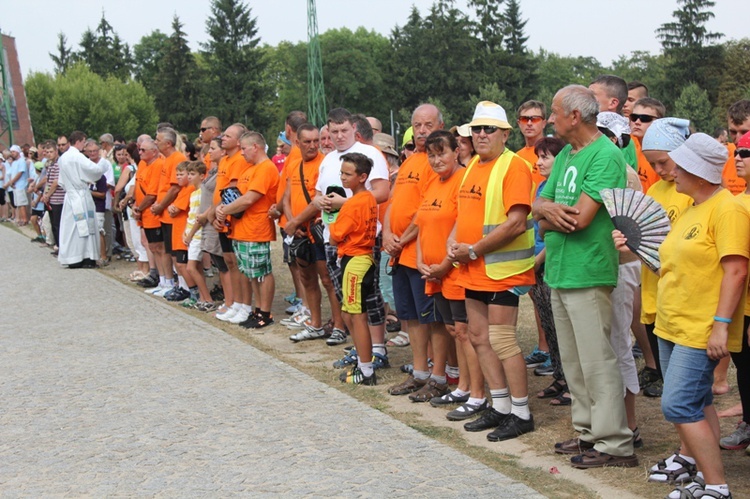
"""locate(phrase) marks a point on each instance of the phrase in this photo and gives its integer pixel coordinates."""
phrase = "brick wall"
(24, 133)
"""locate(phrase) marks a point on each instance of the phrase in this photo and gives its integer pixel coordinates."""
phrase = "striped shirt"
(53, 174)
(195, 206)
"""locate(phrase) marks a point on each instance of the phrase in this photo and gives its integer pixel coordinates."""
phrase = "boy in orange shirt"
(353, 233)
(178, 213)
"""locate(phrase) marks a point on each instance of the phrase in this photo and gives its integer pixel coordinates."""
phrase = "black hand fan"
(231, 194)
(641, 219)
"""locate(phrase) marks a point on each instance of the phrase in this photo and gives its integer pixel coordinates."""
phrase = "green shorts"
(253, 259)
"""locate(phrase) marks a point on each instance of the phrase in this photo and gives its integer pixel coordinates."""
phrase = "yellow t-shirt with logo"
(674, 203)
(691, 271)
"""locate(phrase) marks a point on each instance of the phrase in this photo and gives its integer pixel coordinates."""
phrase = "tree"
(64, 57)
(104, 51)
(689, 49)
(735, 79)
(489, 24)
(236, 65)
(693, 104)
(177, 81)
(515, 38)
(82, 100)
(518, 77)
(554, 72)
(148, 54)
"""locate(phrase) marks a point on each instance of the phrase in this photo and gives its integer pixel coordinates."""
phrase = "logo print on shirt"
(413, 176)
(437, 202)
(476, 189)
(692, 232)
(573, 171)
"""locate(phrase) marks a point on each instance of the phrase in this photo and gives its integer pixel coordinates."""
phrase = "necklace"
(595, 136)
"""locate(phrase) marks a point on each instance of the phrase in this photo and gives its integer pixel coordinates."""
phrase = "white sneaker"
(226, 315)
(163, 291)
(151, 291)
(240, 316)
(299, 321)
(290, 320)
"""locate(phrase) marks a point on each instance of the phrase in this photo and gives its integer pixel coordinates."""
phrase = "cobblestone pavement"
(106, 391)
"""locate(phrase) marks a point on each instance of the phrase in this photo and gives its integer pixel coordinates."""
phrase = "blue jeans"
(688, 376)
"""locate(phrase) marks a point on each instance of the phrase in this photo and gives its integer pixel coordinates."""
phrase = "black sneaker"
(148, 282)
(512, 427)
(355, 377)
(489, 419)
(257, 321)
(654, 389)
(178, 294)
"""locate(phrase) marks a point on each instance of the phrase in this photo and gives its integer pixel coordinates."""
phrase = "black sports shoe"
(148, 282)
(257, 321)
(512, 427)
(178, 294)
(488, 420)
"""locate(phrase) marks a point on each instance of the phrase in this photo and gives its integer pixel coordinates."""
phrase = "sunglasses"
(645, 118)
(410, 147)
(488, 129)
(204, 128)
(742, 153)
(530, 119)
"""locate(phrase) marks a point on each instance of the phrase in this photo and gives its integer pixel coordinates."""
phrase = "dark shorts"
(2, 196)
(450, 311)
(10, 198)
(219, 263)
(37, 213)
(320, 252)
(504, 298)
(225, 242)
(154, 235)
(408, 293)
(284, 246)
(166, 230)
(180, 256)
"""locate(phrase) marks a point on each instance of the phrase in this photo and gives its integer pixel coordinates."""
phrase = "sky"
(567, 27)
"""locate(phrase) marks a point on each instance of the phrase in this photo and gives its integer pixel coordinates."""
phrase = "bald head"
(377, 126)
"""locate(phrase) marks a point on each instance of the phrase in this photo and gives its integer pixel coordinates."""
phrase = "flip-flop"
(400, 340)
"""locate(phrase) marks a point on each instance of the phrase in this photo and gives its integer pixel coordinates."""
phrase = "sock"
(169, 282)
(248, 309)
(451, 371)
(438, 379)
(687, 458)
(264, 314)
(162, 281)
(421, 375)
(366, 368)
(237, 306)
(459, 393)
(379, 348)
(194, 293)
(475, 401)
(520, 407)
(722, 489)
(153, 273)
(182, 282)
(257, 311)
(501, 400)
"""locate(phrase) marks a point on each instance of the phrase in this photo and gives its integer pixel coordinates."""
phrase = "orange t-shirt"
(297, 199)
(529, 155)
(292, 159)
(168, 179)
(435, 218)
(147, 184)
(516, 190)
(207, 161)
(406, 196)
(356, 226)
(255, 226)
(730, 180)
(646, 173)
(229, 169)
(182, 201)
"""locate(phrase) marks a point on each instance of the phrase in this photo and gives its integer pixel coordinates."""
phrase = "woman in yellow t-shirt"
(699, 307)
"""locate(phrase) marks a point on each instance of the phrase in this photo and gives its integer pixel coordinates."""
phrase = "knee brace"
(503, 341)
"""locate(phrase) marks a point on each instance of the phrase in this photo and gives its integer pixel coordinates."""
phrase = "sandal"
(392, 324)
(562, 399)
(379, 361)
(411, 385)
(350, 359)
(696, 485)
(137, 276)
(429, 391)
(553, 390)
(400, 340)
(660, 473)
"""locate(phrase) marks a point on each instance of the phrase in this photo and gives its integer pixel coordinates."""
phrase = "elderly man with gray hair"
(581, 269)
(107, 151)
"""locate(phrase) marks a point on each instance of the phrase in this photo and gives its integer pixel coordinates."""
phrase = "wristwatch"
(472, 254)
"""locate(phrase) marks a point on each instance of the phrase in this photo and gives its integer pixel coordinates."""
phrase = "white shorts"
(20, 197)
(100, 222)
(194, 250)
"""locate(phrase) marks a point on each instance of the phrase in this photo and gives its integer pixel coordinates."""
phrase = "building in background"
(14, 110)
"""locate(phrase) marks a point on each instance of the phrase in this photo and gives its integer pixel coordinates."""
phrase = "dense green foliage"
(445, 55)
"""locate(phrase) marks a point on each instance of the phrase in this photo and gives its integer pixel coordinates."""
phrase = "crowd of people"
(437, 243)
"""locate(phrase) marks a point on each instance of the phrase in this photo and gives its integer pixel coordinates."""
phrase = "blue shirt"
(19, 165)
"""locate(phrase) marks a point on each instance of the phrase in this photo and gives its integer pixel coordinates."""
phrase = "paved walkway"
(106, 391)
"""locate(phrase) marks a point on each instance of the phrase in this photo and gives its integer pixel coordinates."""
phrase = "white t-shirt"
(330, 171)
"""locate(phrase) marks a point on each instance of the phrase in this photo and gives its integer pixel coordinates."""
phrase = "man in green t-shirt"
(581, 269)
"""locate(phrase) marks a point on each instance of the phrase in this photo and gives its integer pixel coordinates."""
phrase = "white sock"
(723, 488)
(451, 371)
(237, 306)
(169, 283)
(520, 407)
(501, 400)
(459, 393)
(162, 281)
(247, 308)
(366, 368)
(182, 282)
(379, 348)
(475, 401)
(421, 375)
(438, 379)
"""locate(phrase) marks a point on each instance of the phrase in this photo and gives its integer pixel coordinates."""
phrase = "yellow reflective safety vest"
(517, 256)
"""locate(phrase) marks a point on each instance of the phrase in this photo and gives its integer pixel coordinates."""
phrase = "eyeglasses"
(204, 128)
(410, 146)
(528, 120)
(488, 129)
(742, 153)
(645, 118)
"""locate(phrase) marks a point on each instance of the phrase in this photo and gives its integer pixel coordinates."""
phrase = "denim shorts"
(408, 292)
(688, 377)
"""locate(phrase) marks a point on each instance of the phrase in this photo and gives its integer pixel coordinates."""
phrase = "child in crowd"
(178, 210)
(196, 173)
(353, 233)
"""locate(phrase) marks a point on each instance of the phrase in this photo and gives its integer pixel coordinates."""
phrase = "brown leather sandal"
(429, 391)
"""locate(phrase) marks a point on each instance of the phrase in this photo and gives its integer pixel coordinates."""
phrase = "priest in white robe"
(79, 235)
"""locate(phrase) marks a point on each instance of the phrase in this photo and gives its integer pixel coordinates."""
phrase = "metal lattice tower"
(316, 93)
